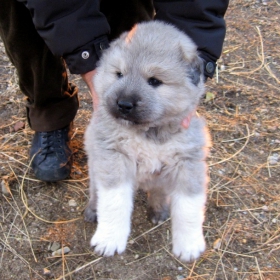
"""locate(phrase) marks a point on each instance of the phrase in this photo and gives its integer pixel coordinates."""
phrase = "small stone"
(272, 161)
(59, 252)
(262, 216)
(274, 221)
(54, 246)
(136, 256)
(5, 187)
(78, 172)
(271, 128)
(180, 268)
(5, 58)
(265, 208)
(72, 203)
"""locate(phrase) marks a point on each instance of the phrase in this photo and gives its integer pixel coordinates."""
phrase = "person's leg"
(52, 102)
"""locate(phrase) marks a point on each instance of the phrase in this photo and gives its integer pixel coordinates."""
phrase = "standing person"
(40, 36)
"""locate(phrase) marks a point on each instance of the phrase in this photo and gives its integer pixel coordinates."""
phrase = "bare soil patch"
(242, 226)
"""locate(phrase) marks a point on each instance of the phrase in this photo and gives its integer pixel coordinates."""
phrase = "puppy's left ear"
(195, 70)
(194, 63)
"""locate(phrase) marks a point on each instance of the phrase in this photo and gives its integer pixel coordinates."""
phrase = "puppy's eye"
(119, 75)
(154, 82)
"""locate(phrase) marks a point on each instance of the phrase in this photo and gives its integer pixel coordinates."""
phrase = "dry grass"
(242, 226)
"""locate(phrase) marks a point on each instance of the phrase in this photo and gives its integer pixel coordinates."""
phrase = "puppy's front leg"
(187, 219)
(187, 213)
(114, 207)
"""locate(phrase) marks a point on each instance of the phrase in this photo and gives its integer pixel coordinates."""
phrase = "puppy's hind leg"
(90, 214)
(158, 205)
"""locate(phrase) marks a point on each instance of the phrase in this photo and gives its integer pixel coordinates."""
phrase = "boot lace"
(52, 142)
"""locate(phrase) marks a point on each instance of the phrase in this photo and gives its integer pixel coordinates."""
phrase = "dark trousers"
(52, 102)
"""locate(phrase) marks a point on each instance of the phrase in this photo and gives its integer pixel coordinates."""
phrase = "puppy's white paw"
(107, 243)
(188, 248)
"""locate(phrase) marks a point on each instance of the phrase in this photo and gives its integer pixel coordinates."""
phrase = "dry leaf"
(19, 125)
(209, 96)
(217, 244)
(46, 271)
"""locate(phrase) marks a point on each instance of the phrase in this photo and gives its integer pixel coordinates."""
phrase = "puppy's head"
(150, 76)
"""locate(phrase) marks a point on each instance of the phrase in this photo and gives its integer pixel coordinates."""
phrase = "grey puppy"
(147, 82)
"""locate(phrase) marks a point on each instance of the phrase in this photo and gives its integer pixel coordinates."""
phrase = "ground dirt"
(242, 226)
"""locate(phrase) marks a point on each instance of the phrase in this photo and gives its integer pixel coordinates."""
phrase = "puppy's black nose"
(125, 106)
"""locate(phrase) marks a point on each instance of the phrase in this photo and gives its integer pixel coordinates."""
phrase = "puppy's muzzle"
(129, 107)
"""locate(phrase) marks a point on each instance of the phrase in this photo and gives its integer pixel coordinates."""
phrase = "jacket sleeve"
(202, 20)
(73, 29)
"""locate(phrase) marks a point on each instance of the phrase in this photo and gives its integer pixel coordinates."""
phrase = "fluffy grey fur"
(148, 81)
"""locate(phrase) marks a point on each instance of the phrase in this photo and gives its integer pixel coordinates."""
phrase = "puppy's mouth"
(130, 110)
(133, 119)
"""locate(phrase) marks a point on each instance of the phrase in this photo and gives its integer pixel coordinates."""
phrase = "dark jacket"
(78, 31)
(202, 20)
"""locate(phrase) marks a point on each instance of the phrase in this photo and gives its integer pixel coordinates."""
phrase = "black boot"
(51, 154)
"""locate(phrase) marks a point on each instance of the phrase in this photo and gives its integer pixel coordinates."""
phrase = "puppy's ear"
(193, 62)
(195, 70)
